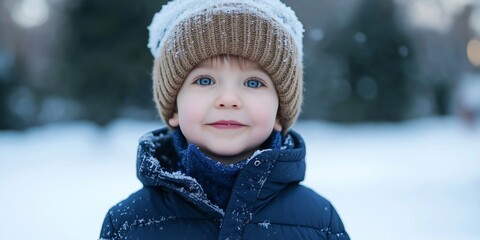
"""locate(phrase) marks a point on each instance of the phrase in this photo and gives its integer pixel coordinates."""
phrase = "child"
(228, 82)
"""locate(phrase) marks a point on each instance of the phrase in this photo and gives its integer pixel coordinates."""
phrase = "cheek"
(264, 111)
(189, 109)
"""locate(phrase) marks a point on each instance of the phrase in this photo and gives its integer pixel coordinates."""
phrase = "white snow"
(265, 224)
(414, 180)
(256, 153)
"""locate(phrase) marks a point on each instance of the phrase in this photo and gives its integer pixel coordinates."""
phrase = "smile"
(226, 124)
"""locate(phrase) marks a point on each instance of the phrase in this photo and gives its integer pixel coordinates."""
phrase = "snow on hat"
(185, 32)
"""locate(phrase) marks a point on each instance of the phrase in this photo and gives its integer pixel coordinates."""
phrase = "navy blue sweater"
(266, 201)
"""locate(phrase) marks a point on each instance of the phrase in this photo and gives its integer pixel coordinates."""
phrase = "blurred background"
(390, 115)
(365, 60)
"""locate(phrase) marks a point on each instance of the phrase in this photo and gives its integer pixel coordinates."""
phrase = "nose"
(228, 99)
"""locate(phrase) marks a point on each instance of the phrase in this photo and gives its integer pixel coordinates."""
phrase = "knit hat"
(185, 32)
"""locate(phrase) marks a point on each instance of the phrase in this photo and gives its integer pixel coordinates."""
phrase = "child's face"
(227, 109)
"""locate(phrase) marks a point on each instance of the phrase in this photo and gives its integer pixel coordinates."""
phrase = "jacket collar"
(266, 173)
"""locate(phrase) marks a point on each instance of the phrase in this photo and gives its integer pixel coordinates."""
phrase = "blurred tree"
(106, 64)
(8, 72)
(370, 68)
(449, 70)
(6, 87)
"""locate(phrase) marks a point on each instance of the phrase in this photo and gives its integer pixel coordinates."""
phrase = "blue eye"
(204, 81)
(253, 83)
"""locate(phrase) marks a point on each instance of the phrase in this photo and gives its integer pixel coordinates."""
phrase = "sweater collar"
(216, 179)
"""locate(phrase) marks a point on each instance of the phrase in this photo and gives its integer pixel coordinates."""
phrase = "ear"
(173, 121)
(277, 126)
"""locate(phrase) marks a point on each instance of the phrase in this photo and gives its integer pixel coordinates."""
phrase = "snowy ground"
(415, 180)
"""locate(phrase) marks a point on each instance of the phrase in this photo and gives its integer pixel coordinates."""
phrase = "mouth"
(226, 124)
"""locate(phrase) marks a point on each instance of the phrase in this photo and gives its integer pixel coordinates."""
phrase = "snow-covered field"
(415, 180)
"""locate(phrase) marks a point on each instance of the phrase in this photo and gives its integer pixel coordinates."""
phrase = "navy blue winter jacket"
(267, 201)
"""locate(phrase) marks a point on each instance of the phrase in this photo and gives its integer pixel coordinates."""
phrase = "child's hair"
(237, 61)
(185, 32)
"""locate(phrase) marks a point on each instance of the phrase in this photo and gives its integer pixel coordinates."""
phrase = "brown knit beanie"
(185, 32)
